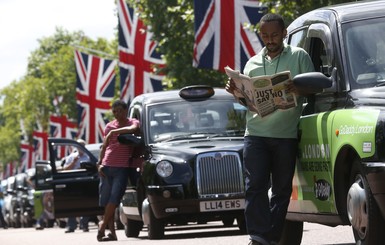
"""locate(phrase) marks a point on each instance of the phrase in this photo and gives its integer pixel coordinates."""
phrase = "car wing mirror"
(315, 81)
(88, 166)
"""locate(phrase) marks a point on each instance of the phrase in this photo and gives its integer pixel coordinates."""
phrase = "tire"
(29, 223)
(363, 213)
(119, 225)
(62, 224)
(133, 228)
(17, 223)
(155, 228)
(292, 233)
(49, 223)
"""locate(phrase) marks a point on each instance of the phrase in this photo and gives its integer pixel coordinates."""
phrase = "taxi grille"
(219, 174)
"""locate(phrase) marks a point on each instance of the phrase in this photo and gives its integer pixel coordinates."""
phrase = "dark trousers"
(269, 162)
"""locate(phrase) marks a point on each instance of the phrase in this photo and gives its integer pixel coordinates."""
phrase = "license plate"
(222, 205)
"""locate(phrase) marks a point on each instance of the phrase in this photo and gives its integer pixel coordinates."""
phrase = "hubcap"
(357, 208)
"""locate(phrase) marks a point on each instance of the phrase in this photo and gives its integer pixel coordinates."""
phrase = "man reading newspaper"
(270, 143)
(263, 94)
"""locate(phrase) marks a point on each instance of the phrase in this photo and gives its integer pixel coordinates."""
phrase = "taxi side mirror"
(313, 80)
(88, 166)
(130, 139)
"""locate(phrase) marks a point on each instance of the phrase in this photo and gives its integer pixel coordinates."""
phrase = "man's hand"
(230, 86)
(291, 88)
(100, 170)
(76, 158)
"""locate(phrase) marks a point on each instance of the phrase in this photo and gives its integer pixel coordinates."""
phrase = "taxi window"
(200, 117)
(297, 39)
(365, 56)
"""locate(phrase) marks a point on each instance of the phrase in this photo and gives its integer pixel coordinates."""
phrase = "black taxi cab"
(192, 171)
(340, 174)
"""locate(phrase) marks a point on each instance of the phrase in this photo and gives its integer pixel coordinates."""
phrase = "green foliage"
(291, 9)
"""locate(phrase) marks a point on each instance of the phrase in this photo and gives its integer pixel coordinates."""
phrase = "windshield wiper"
(194, 135)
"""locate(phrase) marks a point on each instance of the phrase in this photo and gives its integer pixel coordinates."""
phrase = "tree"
(291, 9)
(50, 73)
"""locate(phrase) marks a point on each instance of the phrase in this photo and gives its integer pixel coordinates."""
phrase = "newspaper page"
(263, 94)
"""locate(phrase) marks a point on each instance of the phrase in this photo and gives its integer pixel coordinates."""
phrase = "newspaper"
(263, 94)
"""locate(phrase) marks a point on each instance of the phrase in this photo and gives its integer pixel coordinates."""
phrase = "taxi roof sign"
(196, 92)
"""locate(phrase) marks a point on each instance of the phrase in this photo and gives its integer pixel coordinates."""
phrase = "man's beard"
(273, 48)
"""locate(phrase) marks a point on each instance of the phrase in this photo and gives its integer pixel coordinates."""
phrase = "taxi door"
(313, 180)
(75, 191)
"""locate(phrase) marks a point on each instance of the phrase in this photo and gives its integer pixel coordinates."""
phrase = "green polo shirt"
(281, 123)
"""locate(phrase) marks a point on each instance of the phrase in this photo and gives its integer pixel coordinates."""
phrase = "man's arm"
(132, 129)
(70, 162)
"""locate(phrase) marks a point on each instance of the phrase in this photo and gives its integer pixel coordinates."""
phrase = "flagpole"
(96, 51)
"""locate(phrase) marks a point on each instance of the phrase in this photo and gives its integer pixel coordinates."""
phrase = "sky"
(23, 22)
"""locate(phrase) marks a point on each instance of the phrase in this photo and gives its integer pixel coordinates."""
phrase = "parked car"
(191, 142)
(11, 204)
(10, 192)
(25, 191)
(339, 178)
(3, 196)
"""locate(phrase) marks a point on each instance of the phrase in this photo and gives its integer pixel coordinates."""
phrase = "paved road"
(211, 234)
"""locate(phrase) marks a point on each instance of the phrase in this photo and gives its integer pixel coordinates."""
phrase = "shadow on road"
(200, 231)
(339, 244)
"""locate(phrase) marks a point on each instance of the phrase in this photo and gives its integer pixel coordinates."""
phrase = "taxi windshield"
(188, 120)
(365, 49)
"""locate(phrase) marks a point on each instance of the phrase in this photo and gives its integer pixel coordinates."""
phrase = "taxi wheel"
(133, 228)
(17, 223)
(292, 233)
(155, 227)
(363, 213)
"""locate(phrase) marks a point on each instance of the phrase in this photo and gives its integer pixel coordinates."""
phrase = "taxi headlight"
(164, 169)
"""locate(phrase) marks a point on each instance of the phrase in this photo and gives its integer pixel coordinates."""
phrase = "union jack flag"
(220, 36)
(9, 169)
(62, 127)
(27, 156)
(137, 55)
(40, 142)
(94, 91)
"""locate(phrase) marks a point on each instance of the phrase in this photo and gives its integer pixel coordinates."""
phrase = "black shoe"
(109, 237)
(69, 231)
(39, 227)
(86, 230)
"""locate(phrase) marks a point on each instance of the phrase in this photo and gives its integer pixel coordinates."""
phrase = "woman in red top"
(113, 167)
